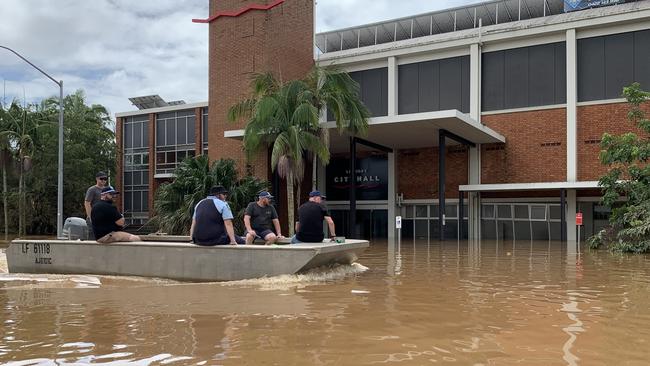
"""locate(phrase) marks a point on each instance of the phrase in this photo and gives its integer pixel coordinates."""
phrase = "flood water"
(422, 303)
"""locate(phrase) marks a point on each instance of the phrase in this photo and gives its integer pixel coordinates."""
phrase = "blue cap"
(109, 189)
(315, 194)
(264, 194)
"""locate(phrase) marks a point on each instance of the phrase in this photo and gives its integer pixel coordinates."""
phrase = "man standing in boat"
(212, 220)
(311, 214)
(260, 218)
(107, 221)
(93, 194)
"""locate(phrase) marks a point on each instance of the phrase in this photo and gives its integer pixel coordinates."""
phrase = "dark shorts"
(262, 233)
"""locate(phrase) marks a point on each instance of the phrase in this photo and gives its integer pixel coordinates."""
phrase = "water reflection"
(420, 302)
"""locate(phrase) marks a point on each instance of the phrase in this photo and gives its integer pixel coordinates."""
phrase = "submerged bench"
(178, 259)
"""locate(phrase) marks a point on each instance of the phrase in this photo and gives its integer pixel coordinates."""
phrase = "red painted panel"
(238, 12)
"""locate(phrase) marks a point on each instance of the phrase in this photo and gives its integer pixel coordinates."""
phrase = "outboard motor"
(75, 228)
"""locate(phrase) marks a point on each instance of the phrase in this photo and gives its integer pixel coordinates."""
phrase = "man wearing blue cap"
(309, 228)
(260, 218)
(107, 221)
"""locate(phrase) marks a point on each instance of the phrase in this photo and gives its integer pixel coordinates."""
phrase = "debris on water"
(360, 292)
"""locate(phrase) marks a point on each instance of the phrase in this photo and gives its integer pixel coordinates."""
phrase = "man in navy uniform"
(212, 220)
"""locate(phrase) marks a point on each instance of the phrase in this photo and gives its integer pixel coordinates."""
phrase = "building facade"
(486, 119)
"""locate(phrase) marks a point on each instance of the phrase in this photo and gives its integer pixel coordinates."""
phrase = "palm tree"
(333, 88)
(284, 117)
(19, 134)
(174, 203)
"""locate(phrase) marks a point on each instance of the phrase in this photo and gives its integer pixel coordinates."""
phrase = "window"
(524, 77)
(175, 139)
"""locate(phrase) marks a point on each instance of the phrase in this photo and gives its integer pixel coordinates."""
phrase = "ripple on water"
(316, 275)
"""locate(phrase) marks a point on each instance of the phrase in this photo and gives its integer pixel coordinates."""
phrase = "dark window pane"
(128, 178)
(619, 64)
(170, 157)
(591, 69)
(181, 131)
(451, 210)
(538, 212)
(433, 211)
(487, 211)
(160, 133)
(170, 130)
(540, 230)
(128, 135)
(421, 211)
(181, 156)
(504, 211)
(160, 158)
(128, 201)
(408, 81)
(429, 86)
(421, 229)
(170, 115)
(451, 229)
(522, 230)
(137, 201)
(145, 134)
(408, 211)
(488, 229)
(521, 211)
(145, 178)
(145, 201)
(504, 230)
(137, 178)
(554, 212)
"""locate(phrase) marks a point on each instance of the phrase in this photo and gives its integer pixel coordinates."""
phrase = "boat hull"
(176, 260)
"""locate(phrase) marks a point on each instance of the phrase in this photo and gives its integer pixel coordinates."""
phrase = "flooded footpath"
(487, 303)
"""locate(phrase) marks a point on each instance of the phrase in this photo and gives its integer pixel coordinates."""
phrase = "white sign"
(398, 222)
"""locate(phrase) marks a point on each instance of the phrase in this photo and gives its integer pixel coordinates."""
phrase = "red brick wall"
(119, 157)
(535, 148)
(417, 171)
(279, 40)
(593, 122)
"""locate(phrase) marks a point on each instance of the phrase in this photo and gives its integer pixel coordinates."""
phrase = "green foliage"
(89, 146)
(628, 176)
(285, 117)
(175, 201)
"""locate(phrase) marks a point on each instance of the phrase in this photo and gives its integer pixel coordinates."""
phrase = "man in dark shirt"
(260, 218)
(107, 221)
(93, 195)
(311, 214)
(212, 220)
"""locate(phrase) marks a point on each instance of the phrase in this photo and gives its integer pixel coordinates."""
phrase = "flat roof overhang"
(540, 186)
(410, 131)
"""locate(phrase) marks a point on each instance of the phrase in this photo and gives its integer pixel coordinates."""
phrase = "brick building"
(491, 113)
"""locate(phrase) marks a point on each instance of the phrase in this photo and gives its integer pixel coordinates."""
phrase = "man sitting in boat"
(260, 217)
(212, 220)
(309, 228)
(107, 221)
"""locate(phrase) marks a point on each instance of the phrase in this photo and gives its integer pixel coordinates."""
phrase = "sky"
(116, 49)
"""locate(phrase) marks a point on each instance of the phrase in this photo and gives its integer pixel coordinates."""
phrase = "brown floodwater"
(423, 303)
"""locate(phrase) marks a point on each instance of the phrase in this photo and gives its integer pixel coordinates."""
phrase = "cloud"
(116, 49)
(111, 49)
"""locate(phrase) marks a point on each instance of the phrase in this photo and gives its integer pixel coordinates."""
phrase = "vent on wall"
(550, 144)
(495, 148)
(592, 141)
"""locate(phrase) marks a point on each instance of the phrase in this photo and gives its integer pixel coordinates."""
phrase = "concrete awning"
(409, 131)
(528, 186)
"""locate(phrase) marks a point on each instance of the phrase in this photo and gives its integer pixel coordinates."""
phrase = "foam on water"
(316, 275)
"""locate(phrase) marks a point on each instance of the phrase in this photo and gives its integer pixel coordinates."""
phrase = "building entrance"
(371, 223)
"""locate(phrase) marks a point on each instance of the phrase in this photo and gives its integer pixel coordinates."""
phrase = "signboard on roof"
(573, 5)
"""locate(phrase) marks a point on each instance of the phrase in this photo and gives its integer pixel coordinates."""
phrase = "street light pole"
(59, 201)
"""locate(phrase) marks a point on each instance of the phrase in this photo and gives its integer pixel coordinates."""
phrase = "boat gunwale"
(297, 246)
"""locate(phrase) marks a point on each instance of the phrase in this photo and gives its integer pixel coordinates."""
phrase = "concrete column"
(392, 86)
(474, 173)
(571, 208)
(392, 192)
(571, 106)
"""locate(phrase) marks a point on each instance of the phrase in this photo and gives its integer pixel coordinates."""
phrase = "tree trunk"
(290, 201)
(21, 218)
(4, 198)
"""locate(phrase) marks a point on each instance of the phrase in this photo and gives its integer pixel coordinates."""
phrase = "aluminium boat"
(174, 257)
